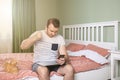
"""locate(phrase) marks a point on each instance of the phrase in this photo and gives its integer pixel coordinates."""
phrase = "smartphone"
(61, 56)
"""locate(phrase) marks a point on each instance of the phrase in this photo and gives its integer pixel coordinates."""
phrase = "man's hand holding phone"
(61, 60)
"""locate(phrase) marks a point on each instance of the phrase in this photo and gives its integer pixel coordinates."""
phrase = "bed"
(95, 34)
(79, 39)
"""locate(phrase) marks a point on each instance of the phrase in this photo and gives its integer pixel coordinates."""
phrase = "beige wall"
(45, 9)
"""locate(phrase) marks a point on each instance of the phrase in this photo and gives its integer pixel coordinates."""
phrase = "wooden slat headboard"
(93, 33)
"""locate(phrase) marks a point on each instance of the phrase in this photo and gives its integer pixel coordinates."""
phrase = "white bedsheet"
(54, 77)
(90, 54)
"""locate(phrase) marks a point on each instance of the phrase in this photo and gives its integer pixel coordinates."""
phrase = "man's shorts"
(50, 68)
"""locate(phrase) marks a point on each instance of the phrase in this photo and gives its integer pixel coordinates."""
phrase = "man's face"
(51, 30)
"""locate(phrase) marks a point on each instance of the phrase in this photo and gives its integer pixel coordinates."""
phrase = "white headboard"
(95, 33)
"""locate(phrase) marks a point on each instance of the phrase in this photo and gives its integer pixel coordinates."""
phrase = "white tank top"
(46, 49)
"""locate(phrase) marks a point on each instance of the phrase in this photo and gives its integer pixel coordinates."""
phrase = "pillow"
(92, 55)
(75, 47)
(102, 51)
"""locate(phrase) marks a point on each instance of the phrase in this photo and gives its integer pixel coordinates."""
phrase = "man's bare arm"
(63, 51)
(27, 43)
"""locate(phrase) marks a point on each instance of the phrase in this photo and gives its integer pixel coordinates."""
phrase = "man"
(48, 46)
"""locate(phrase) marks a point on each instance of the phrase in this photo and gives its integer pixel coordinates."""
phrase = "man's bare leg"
(43, 73)
(67, 71)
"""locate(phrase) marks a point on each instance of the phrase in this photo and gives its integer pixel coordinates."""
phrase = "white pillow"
(91, 55)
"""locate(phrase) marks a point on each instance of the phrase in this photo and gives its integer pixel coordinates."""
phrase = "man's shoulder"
(39, 32)
(36, 33)
(60, 36)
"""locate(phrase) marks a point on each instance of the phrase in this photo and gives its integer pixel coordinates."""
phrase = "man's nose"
(53, 33)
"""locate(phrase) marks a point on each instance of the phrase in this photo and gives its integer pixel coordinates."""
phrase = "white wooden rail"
(91, 32)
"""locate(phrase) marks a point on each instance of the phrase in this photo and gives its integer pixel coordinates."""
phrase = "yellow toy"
(10, 66)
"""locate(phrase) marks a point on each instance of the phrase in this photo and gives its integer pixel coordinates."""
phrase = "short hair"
(54, 21)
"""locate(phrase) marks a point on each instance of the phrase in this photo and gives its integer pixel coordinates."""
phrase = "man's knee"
(41, 70)
(69, 68)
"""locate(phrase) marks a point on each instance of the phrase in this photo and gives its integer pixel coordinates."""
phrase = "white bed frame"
(92, 33)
